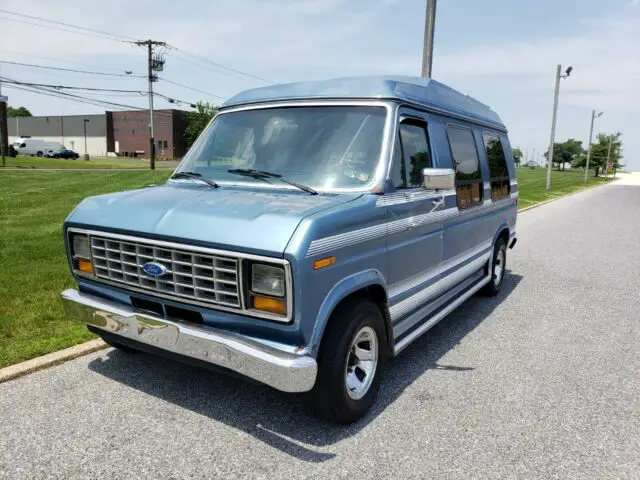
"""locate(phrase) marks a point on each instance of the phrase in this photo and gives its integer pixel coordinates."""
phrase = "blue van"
(312, 231)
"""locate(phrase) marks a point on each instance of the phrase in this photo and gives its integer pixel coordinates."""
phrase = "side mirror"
(439, 178)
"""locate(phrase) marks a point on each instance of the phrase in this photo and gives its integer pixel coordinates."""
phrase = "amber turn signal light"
(272, 305)
(325, 262)
(85, 266)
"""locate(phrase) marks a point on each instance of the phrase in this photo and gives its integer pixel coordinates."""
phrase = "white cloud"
(303, 39)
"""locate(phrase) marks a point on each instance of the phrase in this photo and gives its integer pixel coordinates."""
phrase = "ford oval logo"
(154, 269)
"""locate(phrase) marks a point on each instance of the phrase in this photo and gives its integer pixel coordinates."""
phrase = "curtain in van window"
(467, 166)
(500, 184)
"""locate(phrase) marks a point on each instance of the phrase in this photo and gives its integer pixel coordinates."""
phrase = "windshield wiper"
(262, 174)
(197, 176)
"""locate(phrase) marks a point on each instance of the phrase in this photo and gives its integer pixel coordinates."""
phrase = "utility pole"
(429, 30)
(553, 121)
(86, 154)
(586, 168)
(153, 65)
(606, 167)
(4, 135)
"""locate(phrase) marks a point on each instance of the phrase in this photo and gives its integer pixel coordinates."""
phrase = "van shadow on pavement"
(281, 420)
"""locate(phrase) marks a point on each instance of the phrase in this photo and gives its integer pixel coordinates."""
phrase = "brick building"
(128, 133)
(112, 133)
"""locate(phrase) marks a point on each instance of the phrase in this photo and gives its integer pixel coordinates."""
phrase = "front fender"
(340, 291)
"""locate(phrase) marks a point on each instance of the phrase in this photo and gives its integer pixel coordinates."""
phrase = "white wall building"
(67, 130)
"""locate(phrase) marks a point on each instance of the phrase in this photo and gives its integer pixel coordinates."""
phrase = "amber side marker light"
(272, 305)
(325, 262)
(85, 266)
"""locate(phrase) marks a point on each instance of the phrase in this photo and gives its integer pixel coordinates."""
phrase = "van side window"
(411, 154)
(500, 184)
(467, 165)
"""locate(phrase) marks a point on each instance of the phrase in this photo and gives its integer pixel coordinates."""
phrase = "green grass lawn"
(532, 184)
(33, 267)
(25, 161)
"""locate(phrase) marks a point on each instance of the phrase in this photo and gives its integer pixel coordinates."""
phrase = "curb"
(531, 207)
(19, 369)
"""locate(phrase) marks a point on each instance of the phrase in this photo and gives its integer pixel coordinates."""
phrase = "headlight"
(80, 246)
(267, 280)
(81, 253)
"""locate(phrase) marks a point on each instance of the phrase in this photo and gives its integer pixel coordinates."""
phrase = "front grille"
(190, 275)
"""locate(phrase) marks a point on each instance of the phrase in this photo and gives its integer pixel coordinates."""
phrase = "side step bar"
(402, 344)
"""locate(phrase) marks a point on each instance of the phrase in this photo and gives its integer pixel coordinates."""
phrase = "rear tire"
(121, 347)
(350, 362)
(39, 154)
(497, 269)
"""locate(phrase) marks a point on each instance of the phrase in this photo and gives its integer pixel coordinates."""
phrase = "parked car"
(35, 146)
(63, 153)
(312, 231)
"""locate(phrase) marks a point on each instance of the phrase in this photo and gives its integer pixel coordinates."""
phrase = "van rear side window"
(500, 184)
(467, 165)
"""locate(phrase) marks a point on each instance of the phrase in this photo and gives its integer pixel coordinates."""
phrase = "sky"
(501, 52)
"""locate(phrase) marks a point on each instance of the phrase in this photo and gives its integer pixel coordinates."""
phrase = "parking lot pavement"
(540, 382)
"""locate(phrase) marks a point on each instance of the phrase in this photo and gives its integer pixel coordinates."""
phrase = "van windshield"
(322, 147)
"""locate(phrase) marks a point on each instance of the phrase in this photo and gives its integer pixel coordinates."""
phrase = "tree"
(517, 156)
(198, 120)
(600, 150)
(570, 151)
(18, 112)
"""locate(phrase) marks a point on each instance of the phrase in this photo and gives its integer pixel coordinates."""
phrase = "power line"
(81, 99)
(72, 70)
(70, 87)
(70, 97)
(219, 65)
(115, 36)
(65, 61)
(62, 29)
(126, 39)
(170, 99)
(191, 88)
(210, 68)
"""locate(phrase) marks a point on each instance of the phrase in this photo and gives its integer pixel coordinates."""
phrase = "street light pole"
(553, 121)
(429, 29)
(586, 168)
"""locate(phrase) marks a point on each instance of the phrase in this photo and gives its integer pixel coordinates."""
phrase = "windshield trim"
(381, 168)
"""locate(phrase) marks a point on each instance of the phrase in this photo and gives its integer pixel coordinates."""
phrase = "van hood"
(250, 221)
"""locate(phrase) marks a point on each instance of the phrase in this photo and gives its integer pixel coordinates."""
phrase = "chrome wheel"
(361, 364)
(498, 267)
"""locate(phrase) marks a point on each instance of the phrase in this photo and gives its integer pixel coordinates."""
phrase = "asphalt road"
(541, 382)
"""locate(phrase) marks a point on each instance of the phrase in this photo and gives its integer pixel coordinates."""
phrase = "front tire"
(497, 269)
(39, 154)
(350, 362)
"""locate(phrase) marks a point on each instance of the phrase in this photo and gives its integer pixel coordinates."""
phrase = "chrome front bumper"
(280, 369)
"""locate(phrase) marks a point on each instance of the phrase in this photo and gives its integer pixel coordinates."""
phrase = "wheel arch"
(369, 284)
(501, 232)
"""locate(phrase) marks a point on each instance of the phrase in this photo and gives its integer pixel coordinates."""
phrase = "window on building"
(166, 144)
(500, 184)
(467, 166)
(411, 154)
